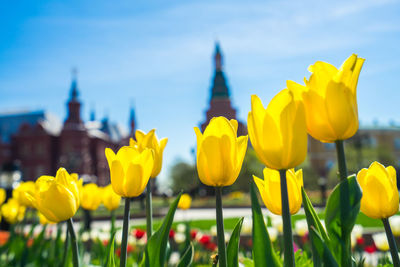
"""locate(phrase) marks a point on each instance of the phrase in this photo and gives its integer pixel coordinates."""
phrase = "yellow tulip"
(184, 202)
(19, 192)
(278, 133)
(330, 98)
(110, 199)
(151, 141)
(57, 198)
(43, 220)
(13, 211)
(3, 195)
(380, 197)
(91, 196)
(130, 170)
(220, 152)
(270, 190)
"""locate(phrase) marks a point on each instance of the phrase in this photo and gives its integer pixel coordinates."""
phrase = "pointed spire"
(74, 84)
(218, 60)
(92, 116)
(132, 119)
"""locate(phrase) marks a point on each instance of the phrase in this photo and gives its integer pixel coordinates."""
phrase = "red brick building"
(40, 143)
(220, 102)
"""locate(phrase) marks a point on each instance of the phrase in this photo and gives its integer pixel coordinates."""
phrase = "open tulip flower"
(220, 152)
(19, 192)
(12, 211)
(380, 197)
(57, 198)
(110, 199)
(185, 201)
(278, 133)
(91, 196)
(270, 190)
(151, 141)
(130, 170)
(330, 98)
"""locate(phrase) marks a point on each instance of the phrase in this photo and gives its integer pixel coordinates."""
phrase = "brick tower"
(220, 102)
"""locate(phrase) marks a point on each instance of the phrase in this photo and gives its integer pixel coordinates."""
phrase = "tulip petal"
(117, 177)
(110, 155)
(134, 180)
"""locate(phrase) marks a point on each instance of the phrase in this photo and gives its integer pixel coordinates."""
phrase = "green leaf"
(156, 247)
(341, 212)
(187, 257)
(322, 249)
(233, 245)
(110, 262)
(248, 262)
(313, 221)
(263, 253)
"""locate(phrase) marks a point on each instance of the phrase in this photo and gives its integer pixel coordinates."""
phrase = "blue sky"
(159, 54)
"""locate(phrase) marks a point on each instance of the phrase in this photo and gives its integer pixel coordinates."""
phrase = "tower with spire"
(220, 102)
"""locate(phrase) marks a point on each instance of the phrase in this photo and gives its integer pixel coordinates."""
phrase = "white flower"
(179, 237)
(381, 241)
(213, 230)
(85, 236)
(181, 228)
(174, 258)
(395, 224)
(247, 226)
(273, 233)
(301, 227)
(277, 223)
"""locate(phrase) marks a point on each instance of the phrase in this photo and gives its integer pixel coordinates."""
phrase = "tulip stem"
(65, 253)
(125, 227)
(392, 243)
(287, 223)
(220, 229)
(112, 223)
(149, 211)
(74, 244)
(341, 160)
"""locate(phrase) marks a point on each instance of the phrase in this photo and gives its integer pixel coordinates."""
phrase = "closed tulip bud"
(110, 199)
(150, 141)
(91, 196)
(278, 133)
(19, 192)
(57, 198)
(330, 98)
(380, 197)
(220, 152)
(3, 195)
(270, 190)
(13, 211)
(184, 202)
(130, 170)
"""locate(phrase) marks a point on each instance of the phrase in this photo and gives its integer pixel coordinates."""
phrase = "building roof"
(11, 122)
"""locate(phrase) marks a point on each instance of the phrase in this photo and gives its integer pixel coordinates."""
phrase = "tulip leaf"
(187, 257)
(263, 252)
(156, 248)
(321, 248)
(110, 262)
(313, 221)
(233, 245)
(341, 212)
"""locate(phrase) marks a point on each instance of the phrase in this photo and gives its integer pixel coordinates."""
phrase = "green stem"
(344, 202)
(65, 253)
(220, 229)
(74, 243)
(341, 160)
(149, 211)
(112, 223)
(125, 227)
(287, 224)
(392, 243)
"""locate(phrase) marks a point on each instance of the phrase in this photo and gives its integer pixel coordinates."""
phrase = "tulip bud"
(110, 199)
(91, 196)
(278, 133)
(13, 211)
(57, 198)
(184, 202)
(380, 197)
(19, 192)
(130, 170)
(220, 152)
(330, 99)
(270, 190)
(150, 141)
